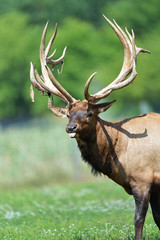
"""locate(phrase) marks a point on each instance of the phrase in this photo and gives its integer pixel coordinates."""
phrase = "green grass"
(35, 158)
(84, 211)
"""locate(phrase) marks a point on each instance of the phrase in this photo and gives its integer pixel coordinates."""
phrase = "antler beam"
(128, 67)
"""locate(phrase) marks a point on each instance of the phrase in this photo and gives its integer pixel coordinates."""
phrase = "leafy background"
(91, 46)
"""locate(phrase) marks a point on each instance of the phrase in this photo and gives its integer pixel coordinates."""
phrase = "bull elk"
(127, 151)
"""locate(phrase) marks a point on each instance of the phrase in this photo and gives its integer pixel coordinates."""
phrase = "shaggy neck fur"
(94, 150)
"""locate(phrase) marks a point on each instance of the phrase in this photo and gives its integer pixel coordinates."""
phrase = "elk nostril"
(72, 127)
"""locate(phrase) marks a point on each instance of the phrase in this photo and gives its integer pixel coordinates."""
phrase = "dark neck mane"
(86, 147)
(99, 160)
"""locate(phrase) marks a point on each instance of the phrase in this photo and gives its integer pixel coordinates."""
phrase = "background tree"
(91, 46)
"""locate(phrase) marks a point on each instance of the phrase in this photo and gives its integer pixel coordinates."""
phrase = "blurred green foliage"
(91, 46)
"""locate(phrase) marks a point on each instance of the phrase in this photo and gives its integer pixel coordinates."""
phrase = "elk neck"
(98, 149)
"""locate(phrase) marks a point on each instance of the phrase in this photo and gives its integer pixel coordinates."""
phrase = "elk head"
(83, 114)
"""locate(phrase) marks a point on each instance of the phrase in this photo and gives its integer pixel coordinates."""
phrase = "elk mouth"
(72, 135)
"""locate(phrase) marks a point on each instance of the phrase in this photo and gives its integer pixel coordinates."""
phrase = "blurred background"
(34, 148)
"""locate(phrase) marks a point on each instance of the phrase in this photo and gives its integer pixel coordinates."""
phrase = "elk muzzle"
(71, 129)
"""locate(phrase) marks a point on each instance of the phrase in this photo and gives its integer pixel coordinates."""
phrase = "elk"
(127, 151)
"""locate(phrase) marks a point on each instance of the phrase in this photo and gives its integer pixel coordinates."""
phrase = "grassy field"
(82, 211)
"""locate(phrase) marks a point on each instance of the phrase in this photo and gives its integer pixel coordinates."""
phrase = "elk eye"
(67, 115)
(89, 115)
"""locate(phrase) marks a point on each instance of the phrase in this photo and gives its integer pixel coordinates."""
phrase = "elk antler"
(47, 82)
(129, 65)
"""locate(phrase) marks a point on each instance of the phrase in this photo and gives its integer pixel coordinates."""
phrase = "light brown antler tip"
(138, 50)
(133, 35)
(91, 77)
(106, 19)
(56, 27)
(46, 26)
(64, 51)
(86, 93)
(145, 51)
(32, 93)
(32, 78)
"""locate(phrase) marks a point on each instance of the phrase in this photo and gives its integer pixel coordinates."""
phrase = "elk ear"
(102, 107)
(59, 111)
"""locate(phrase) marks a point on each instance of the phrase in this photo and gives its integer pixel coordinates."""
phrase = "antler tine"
(51, 41)
(49, 59)
(33, 80)
(46, 72)
(57, 61)
(47, 82)
(40, 85)
(34, 83)
(126, 82)
(86, 93)
(129, 64)
(138, 50)
(47, 88)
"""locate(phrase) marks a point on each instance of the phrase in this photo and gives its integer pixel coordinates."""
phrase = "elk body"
(127, 151)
